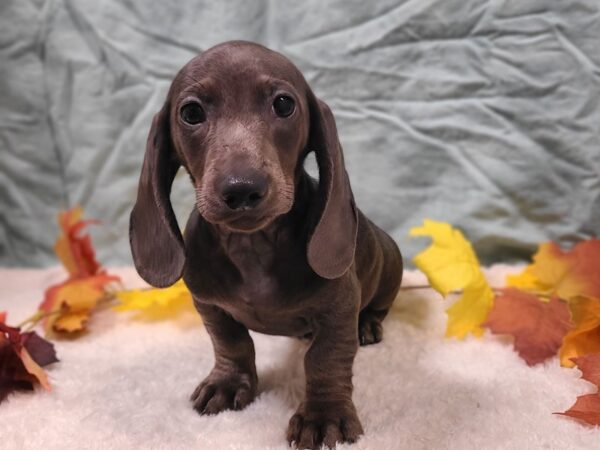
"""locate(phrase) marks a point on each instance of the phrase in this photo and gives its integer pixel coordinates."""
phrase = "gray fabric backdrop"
(483, 113)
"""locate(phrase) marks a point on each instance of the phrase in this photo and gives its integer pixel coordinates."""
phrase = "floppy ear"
(156, 242)
(332, 244)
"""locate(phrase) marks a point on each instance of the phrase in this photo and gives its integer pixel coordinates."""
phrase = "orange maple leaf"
(537, 327)
(587, 407)
(584, 338)
(566, 274)
(68, 305)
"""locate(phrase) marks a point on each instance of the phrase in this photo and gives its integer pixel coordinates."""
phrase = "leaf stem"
(416, 286)
(33, 318)
(427, 286)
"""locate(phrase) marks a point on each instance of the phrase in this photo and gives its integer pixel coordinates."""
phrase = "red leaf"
(587, 407)
(76, 252)
(538, 327)
(21, 358)
(13, 375)
(39, 348)
(590, 368)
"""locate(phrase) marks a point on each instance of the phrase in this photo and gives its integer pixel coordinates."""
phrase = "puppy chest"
(268, 320)
(261, 303)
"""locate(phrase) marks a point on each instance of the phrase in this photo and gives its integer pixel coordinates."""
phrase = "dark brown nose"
(244, 191)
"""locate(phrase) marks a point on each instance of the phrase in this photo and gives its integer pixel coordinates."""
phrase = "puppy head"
(240, 118)
(239, 123)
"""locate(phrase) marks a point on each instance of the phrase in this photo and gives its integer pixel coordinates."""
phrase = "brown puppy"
(267, 247)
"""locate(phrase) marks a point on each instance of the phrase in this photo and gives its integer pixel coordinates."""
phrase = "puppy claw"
(242, 398)
(370, 330)
(201, 396)
(331, 435)
(294, 429)
(318, 432)
(351, 429)
(219, 393)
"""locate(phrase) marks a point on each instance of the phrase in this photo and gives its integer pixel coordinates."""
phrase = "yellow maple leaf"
(450, 264)
(157, 304)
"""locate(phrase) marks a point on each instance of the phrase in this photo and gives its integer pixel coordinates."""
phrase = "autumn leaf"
(566, 274)
(70, 303)
(40, 349)
(584, 338)
(34, 368)
(587, 407)
(157, 304)
(574, 276)
(450, 264)
(537, 327)
(71, 321)
(75, 252)
(22, 356)
(67, 306)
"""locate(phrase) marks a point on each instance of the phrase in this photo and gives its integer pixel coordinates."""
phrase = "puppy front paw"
(221, 391)
(313, 427)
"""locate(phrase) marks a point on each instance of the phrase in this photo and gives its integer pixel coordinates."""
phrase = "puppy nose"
(245, 191)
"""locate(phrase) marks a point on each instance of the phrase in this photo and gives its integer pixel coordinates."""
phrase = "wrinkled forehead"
(237, 69)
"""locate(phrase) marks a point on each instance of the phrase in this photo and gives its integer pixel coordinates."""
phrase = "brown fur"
(304, 262)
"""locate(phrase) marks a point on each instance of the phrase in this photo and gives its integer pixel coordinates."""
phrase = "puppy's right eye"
(192, 113)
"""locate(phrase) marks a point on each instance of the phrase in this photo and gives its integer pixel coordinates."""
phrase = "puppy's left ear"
(331, 247)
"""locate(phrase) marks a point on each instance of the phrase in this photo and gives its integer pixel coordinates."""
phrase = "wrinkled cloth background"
(482, 113)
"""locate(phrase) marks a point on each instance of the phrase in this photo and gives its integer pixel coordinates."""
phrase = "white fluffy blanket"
(125, 385)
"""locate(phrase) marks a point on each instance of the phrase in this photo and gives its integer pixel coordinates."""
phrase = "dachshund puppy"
(267, 248)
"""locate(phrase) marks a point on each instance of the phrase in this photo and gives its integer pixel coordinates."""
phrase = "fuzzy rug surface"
(125, 385)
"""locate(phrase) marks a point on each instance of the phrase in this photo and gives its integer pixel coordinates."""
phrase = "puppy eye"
(192, 113)
(284, 106)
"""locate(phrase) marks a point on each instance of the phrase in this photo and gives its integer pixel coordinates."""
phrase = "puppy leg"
(327, 414)
(232, 382)
(370, 328)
